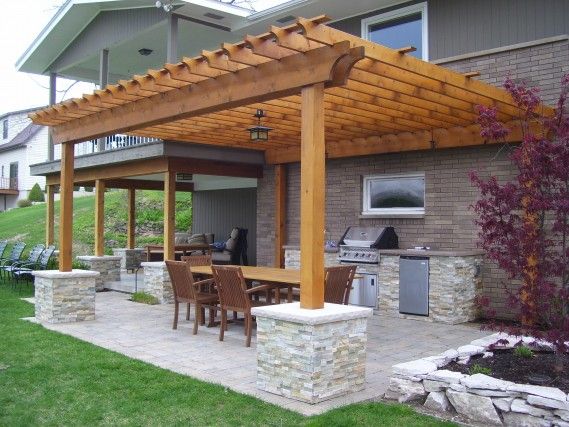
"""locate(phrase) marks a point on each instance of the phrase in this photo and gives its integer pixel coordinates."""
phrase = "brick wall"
(448, 222)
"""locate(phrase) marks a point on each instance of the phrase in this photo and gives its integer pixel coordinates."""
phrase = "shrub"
(36, 195)
(144, 298)
(523, 351)
(88, 189)
(23, 203)
(79, 265)
(478, 369)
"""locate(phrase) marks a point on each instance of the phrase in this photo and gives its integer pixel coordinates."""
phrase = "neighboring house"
(519, 38)
(22, 144)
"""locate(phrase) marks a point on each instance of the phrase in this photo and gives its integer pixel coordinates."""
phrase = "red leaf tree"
(524, 223)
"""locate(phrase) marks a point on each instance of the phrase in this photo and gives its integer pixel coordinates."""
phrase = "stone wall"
(130, 258)
(311, 355)
(454, 283)
(107, 266)
(157, 281)
(448, 221)
(65, 296)
(480, 398)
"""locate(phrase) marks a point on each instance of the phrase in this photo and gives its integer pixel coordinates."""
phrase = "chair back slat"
(197, 260)
(231, 287)
(3, 245)
(35, 253)
(46, 256)
(16, 251)
(182, 280)
(338, 283)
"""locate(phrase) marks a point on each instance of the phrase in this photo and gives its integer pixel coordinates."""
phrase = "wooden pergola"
(326, 93)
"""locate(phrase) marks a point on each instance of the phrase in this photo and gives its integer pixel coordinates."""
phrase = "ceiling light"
(164, 4)
(259, 133)
(145, 51)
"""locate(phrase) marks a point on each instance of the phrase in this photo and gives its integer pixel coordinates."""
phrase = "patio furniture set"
(239, 289)
(16, 267)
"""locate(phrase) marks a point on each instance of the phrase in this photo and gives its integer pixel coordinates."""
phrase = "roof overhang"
(377, 99)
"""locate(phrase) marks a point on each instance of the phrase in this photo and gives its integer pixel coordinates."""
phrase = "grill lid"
(370, 237)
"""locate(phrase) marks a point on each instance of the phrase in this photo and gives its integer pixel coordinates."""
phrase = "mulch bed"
(507, 366)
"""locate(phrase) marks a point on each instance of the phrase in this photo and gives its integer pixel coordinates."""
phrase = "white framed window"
(399, 28)
(394, 195)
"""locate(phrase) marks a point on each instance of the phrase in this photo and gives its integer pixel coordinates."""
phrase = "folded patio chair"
(25, 270)
(234, 296)
(186, 290)
(338, 283)
(32, 258)
(14, 255)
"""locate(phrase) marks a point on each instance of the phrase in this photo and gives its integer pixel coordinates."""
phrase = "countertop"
(410, 252)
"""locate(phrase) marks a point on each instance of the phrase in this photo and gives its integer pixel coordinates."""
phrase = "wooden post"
(66, 207)
(99, 217)
(312, 198)
(280, 214)
(131, 224)
(169, 214)
(49, 215)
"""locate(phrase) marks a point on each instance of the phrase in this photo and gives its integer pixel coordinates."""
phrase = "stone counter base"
(130, 258)
(479, 398)
(108, 267)
(157, 281)
(65, 296)
(311, 355)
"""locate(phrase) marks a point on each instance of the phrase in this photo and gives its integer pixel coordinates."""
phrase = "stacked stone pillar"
(157, 281)
(108, 266)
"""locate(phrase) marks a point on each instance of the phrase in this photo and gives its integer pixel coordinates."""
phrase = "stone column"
(65, 296)
(130, 258)
(108, 266)
(157, 281)
(311, 355)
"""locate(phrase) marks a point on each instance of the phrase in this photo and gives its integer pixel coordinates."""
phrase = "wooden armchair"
(187, 291)
(234, 296)
(338, 283)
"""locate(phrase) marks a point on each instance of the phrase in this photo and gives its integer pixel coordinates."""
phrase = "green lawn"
(51, 379)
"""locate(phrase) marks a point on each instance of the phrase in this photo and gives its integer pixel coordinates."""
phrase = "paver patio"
(145, 333)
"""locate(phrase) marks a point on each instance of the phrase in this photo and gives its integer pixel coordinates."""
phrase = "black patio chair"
(25, 270)
(15, 255)
(32, 258)
(3, 245)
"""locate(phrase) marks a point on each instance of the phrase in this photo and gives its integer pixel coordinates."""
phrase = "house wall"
(458, 27)
(218, 211)
(448, 222)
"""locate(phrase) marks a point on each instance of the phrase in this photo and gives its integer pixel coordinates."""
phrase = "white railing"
(112, 142)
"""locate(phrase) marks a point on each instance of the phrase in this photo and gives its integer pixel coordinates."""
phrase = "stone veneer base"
(157, 281)
(311, 355)
(65, 296)
(130, 258)
(108, 266)
(479, 398)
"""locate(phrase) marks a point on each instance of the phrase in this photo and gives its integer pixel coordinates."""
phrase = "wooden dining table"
(279, 277)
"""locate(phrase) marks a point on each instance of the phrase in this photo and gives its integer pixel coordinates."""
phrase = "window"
(5, 129)
(399, 28)
(394, 195)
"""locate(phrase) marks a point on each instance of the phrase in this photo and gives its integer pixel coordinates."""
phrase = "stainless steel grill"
(361, 244)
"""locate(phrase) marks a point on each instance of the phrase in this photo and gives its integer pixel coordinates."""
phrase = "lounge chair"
(32, 258)
(14, 255)
(338, 283)
(25, 270)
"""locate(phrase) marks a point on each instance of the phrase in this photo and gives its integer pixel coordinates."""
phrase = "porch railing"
(112, 142)
(8, 183)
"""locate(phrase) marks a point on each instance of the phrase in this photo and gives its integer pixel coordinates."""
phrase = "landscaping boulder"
(470, 350)
(504, 404)
(521, 420)
(404, 390)
(547, 403)
(520, 405)
(481, 381)
(446, 376)
(477, 408)
(414, 368)
(537, 390)
(438, 401)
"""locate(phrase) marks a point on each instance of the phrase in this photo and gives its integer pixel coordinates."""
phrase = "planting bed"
(443, 383)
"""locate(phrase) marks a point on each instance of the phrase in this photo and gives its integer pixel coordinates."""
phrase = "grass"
(51, 379)
(28, 224)
(144, 298)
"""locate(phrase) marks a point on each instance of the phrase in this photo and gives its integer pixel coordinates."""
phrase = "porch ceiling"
(389, 102)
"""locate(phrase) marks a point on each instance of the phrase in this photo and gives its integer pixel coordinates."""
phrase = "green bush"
(79, 265)
(88, 189)
(523, 351)
(144, 298)
(478, 369)
(23, 203)
(36, 195)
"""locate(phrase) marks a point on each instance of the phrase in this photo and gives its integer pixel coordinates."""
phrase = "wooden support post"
(99, 217)
(131, 225)
(49, 215)
(280, 214)
(312, 198)
(169, 214)
(66, 207)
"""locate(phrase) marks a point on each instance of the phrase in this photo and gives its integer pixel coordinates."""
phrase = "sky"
(20, 22)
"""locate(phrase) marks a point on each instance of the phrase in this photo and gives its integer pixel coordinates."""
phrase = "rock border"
(479, 398)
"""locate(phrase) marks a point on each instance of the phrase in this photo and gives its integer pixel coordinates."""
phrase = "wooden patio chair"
(338, 283)
(234, 296)
(197, 260)
(187, 291)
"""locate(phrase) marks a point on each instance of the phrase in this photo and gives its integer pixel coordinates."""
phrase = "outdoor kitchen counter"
(430, 253)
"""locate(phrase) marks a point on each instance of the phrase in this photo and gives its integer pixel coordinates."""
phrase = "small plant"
(144, 298)
(478, 369)
(23, 203)
(36, 195)
(523, 351)
(79, 265)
